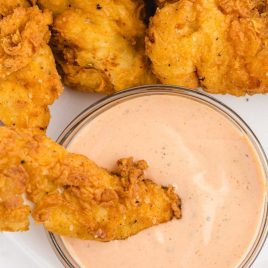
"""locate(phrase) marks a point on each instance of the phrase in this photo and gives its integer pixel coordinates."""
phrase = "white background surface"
(32, 250)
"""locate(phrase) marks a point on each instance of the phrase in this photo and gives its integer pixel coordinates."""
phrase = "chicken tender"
(99, 45)
(221, 45)
(73, 196)
(29, 81)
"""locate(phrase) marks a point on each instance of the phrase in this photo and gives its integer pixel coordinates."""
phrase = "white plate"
(32, 250)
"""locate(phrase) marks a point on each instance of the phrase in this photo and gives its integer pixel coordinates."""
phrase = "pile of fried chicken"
(105, 46)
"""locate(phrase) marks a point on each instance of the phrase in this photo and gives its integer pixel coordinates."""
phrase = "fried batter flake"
(7, 6)
(99, 45)
(74, 197)
(221, 45)
(29, 81)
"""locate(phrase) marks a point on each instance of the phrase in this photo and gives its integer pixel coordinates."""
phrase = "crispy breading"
(99, 45)
(7, 6)
(57, 6)
(219, 45)
(29, 81)
(74, 197)
(13, 213)
(161, 3)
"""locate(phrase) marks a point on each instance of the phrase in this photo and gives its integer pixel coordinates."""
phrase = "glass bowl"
(94, 110)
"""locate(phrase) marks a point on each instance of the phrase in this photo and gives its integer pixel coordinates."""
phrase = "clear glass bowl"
(94, 110)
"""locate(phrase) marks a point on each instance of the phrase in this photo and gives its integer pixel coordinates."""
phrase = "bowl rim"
(159, 89)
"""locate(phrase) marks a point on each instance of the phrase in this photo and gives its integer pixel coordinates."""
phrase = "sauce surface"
(209, 160)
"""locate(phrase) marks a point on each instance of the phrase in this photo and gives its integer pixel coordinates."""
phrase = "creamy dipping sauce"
(209, 160)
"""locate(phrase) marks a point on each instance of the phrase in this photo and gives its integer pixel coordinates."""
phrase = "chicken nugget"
(221, 45)
(99, 45)
(74, 197)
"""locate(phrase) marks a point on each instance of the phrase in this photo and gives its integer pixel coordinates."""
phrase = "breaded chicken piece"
(29, 81)
(99, 45)
(221, 45)
(74, 197)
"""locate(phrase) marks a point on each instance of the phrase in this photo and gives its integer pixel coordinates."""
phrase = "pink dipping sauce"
(212, 165)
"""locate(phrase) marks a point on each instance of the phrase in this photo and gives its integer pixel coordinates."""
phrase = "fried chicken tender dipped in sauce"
(221, 45)
(99, 45)
(29, 81)
(74, 197)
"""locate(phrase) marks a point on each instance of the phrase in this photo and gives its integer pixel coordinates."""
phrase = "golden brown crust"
(75, 197)
(221, 45)
(58, 6)
(13, 213)
(29, 81)
(7, 6)
(22, 34)
(99, 45)
(161, 3)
